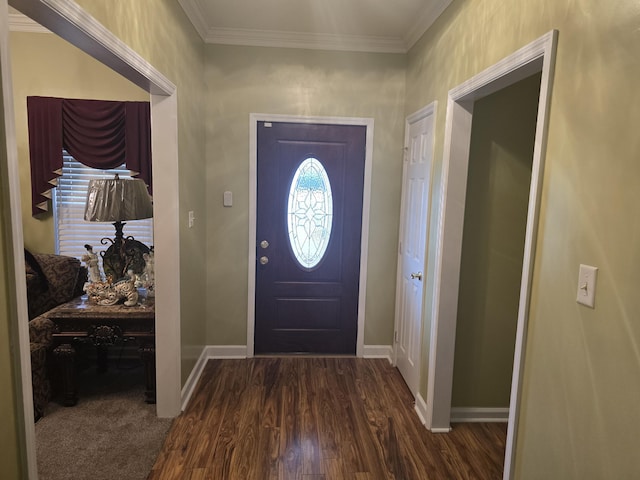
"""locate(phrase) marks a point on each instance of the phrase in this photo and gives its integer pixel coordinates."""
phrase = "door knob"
(264, 260)
(416, 275)
(264, 244)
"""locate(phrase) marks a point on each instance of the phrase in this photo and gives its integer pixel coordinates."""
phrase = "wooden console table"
(79, 321)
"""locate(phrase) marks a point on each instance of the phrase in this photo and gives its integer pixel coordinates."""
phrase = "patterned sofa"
(51, 281)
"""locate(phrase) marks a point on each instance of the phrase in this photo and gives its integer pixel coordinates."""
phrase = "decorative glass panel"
(310, 213)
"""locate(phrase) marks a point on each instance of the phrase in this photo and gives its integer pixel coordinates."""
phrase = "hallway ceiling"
(353, 25)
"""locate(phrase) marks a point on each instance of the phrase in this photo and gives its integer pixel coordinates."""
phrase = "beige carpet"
(110, 434)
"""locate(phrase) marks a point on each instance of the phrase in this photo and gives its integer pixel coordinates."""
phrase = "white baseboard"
(194, 376)
(477, 414)
(240, 351)
(210, 351)
(421, 408)
(378, 351)
(226, 351)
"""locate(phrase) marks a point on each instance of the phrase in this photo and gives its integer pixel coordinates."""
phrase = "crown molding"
(424, 21)
(313, 41)
(268, 38)
(196, 15)
(21, 23)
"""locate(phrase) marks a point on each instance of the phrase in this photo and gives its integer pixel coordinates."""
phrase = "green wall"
(495, 218)
(36, 68)
(161, 33)
(581, 381)
(244, 80)
(582, 376)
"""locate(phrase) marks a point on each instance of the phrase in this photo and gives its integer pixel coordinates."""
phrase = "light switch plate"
(587, 285)
(227, 199)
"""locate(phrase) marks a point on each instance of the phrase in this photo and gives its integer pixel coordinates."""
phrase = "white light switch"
(587, 285)
(191, 218)
(227, 199)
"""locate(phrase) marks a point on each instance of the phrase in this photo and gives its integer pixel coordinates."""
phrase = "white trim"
(68, 20)
(313, 41)
(310, 41)
(378, 351)
(164, 145)
(254, 118)
(14, 234)
(193, 379)
(479, 414)
(226, 351)
(425, 21)
(196, 15)
(71, 22)
(538, 56)
(421, 408)
(207, 353)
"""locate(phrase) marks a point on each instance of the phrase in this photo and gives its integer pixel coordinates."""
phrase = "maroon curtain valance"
(98, 133)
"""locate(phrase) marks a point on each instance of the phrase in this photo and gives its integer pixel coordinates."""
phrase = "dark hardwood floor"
(300, 418)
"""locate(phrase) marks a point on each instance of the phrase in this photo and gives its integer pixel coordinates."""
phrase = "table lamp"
(117, 200)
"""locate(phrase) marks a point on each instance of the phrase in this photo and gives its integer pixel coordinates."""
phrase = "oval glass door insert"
(310, 213)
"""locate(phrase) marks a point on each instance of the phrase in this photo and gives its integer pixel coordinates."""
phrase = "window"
(72, 232)
(310, 213)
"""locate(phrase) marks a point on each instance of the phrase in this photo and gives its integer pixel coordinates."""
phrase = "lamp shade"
(116, 200)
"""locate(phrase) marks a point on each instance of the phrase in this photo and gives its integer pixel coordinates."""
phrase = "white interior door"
(413, 241)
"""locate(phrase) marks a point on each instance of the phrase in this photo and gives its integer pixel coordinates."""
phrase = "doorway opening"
(537, 57)
(69, 21)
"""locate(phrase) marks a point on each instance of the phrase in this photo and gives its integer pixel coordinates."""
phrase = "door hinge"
(395, 336)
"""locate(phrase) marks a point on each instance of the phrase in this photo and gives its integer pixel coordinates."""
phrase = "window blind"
(72, 231)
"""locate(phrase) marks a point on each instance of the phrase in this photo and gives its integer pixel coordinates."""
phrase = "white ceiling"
(355, 25)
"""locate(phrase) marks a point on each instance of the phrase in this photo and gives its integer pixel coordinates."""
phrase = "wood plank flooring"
(300, 418)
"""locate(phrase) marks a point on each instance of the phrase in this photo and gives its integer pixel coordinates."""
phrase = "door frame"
(254, 118)
(424, 112)
(538, 56)
(69, 21)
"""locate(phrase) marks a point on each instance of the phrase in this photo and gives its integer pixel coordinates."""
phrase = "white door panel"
(413, 241)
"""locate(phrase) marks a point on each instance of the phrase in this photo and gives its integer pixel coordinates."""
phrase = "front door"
(310, 180)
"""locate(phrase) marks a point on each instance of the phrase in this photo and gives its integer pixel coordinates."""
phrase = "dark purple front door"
(310, 180)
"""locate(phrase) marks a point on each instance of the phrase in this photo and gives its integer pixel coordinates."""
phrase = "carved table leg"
(148, 354)
(65, 356)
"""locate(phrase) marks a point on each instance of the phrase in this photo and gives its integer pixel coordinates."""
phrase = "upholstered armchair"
(51, 281)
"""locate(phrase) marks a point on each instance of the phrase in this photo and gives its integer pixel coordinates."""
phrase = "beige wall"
(244, 80)
(582, 376)
(495, 217)
(161, 33)
(45, 65)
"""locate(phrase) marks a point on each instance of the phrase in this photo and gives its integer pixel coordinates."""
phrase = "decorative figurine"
(106, 292)
(91, 261)
(148, 274)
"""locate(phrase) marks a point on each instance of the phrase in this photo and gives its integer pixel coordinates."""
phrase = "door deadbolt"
(416, 275)
(264, 244)
(264, 260)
